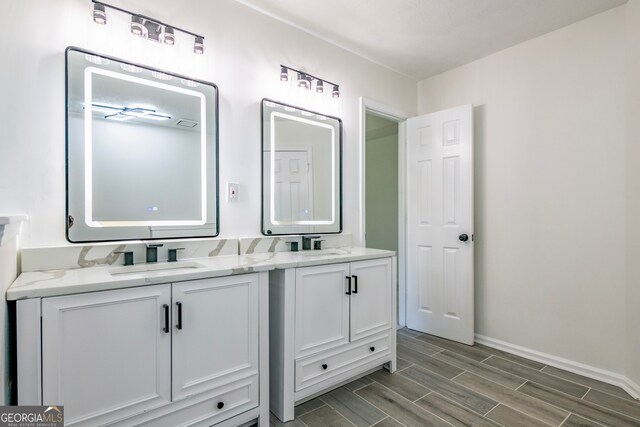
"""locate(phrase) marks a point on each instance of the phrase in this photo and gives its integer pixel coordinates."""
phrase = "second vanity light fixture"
(306, 80)
(146, 27)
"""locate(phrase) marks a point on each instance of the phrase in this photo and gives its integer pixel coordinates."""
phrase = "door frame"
(368, 105)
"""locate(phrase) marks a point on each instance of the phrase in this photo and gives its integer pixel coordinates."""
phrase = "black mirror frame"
(340, 152)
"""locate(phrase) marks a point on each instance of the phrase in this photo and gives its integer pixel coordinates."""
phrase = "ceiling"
(422, 38)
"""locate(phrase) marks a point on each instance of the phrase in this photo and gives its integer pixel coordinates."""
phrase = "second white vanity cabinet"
(168, 354)
(339, 303)
(329, 323)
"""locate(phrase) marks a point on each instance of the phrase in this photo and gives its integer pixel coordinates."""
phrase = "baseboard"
(568, 365)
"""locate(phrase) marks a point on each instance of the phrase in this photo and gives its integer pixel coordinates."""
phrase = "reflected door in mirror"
(301, 171)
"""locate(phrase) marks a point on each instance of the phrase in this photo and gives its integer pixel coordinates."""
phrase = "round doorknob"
(220, 405)
(463, 237)
(324, 366)
(372, 349)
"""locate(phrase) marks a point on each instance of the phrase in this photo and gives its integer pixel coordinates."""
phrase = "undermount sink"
(322, 252)
(146, 268)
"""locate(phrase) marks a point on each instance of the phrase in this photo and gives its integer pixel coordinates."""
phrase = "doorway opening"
(382, 198)
(381, 178)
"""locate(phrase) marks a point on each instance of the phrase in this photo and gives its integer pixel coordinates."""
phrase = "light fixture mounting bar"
(308, 75)
(147, 18)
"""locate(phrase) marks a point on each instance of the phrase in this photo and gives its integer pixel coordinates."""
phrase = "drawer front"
(314, 369)
(218, 405)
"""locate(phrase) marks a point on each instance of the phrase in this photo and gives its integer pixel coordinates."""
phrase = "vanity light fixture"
(336, 91)
(306, 81)
(95, 59)
(137, 26)
(189, 83)
(160, 75)
(168, 36)
(198, 45)
(303, 81)
(99, 14)
(146, 27)
(131, 68)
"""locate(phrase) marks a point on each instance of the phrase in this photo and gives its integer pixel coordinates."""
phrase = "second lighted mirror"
(301, 171)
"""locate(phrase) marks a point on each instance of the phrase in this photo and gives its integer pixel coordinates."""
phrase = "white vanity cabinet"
(106, 354)
(329, 324)
(192, 352)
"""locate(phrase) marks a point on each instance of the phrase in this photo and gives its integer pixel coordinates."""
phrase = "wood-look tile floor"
(444, 383)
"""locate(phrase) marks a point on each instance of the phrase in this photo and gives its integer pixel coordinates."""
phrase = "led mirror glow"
(301, 171)
(142, 153)
(90, 75)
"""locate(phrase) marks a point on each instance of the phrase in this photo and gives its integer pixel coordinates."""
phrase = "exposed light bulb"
(336, 91)
(284, 74)
(320, 86)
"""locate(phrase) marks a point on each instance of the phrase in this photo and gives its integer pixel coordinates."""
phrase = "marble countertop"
(72, 281)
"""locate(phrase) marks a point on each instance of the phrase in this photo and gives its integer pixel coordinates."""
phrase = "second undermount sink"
(324, 252)
(146, 268)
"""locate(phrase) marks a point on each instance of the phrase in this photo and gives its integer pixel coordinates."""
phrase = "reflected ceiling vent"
(187, 123)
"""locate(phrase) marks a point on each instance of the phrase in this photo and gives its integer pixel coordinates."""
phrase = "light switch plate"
(232, 191)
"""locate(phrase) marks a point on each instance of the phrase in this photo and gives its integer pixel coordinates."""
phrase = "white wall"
(633, 191)
(550, 141)
(244, 51)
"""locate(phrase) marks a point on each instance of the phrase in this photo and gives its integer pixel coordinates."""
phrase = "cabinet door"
(215, 340)
(106, 355)
(371, 297)
(322, 308)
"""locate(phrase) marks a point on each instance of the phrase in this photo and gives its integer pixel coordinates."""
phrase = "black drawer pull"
(348, 285)
(372, 348)
(179, 324)
(355, 284)
(220, 405)
(325, 366)
(166, 318)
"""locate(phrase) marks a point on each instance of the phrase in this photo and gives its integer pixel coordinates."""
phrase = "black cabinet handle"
(220, 405)
(355, 284)
(372, 348)
(166, 318)
(325, 366)
(179, 324)
(348, 285)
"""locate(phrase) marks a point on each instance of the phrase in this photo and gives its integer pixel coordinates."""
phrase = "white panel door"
(440, 224)
(215, 332)
(293, 185)
(107, 355)
(370, 297)
(322, 308)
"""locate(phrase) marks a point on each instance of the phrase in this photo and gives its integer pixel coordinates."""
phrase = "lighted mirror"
(301, 171)
(142, 152)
